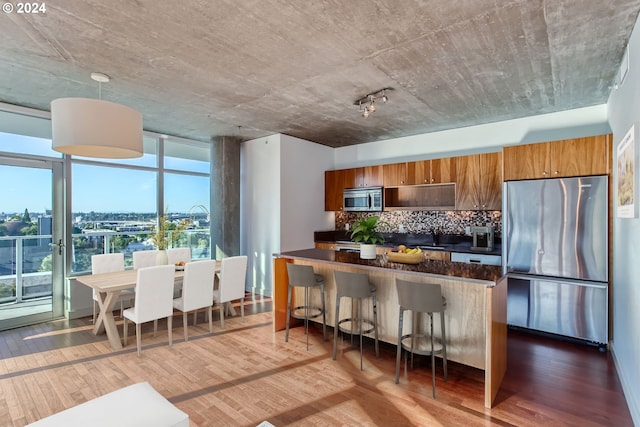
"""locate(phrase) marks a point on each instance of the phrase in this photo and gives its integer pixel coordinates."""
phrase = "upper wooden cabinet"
(368, 176)
(558, 159)
(334, 184)
(337, 180)
(395, 174)
(435, 171)
(479, 182)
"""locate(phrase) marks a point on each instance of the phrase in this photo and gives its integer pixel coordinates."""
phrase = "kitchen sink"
(437, 248)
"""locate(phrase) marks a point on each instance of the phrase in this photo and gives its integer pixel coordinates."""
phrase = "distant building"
(45, 225)
(138, 246)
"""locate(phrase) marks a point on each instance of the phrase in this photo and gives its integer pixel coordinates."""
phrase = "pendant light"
(95, 128)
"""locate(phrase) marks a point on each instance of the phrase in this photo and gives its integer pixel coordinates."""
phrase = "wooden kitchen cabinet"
(479, 182)
(437, 255)
(334, 183)
(558, 159)
(369, 176)
(435, 171)
(331, 202)
(395, 174)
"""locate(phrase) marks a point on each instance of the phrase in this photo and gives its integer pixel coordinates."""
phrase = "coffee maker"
(482, 238)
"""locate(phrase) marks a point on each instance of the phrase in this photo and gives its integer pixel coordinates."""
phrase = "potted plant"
(166, 234)
(365, 231)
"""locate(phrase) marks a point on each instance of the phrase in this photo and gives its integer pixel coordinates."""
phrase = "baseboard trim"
(631, 394)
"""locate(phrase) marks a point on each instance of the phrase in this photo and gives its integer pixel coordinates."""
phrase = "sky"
(96, 188)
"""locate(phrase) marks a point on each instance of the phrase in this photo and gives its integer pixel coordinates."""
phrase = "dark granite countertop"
(488, 274)
(448, 242)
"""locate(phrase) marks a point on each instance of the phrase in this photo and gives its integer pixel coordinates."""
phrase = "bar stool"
(302, 276)
(355, 286)
(421, 298)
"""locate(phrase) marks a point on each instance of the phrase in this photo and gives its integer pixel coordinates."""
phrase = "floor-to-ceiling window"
(110, 206)
(187, 184)
(115, 204)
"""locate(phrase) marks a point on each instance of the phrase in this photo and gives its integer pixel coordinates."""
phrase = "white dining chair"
(233, 273)
(197, 292)
(175, 255)
(109, 263)
(154, 300)
(143, 259)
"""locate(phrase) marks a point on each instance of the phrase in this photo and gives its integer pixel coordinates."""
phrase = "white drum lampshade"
(95, 128)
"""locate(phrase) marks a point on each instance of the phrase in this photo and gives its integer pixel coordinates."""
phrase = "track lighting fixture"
(367, 104)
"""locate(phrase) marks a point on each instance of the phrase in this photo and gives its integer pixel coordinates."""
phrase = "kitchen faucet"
(435, 235)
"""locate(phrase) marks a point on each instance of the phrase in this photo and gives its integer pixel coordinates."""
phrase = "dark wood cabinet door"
(334, 183)
(331, 202)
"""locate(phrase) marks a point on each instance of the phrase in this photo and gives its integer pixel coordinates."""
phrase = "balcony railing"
(24, 273)
(25, 261)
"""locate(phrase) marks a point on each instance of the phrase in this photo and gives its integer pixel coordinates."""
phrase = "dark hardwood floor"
(246, 373)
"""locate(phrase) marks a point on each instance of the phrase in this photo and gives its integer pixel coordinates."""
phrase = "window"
(110, 205)
(187, 184)
(148, 159)
(185, 156)
(115, 205)
(20, 144)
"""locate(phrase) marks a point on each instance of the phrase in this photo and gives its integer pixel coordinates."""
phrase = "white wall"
(475, 139)
(260, 208)
(282, 200)
(302, 188)
(624, 110)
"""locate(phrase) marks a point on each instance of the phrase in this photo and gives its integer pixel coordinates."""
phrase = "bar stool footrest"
(422, 344)
(368, 326)
(313, 312)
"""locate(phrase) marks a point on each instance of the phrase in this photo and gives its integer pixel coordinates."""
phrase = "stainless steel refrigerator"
(556, 255)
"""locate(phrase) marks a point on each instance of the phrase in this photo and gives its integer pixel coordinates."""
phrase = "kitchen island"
(476, 303)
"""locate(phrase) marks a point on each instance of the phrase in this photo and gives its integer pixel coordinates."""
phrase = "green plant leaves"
(365, 230)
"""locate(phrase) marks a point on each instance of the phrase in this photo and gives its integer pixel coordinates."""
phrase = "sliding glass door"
(31, 241)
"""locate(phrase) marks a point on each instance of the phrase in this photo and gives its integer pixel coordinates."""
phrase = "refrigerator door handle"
(586, 283)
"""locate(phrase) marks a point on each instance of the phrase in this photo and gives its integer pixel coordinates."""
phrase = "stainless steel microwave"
(367, 199)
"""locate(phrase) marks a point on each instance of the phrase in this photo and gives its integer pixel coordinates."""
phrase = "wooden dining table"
(108, 287)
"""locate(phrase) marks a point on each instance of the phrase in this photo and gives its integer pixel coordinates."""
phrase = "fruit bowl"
(405, 258)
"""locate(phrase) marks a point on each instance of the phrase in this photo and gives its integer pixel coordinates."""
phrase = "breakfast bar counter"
(476, 295)
(484, 274)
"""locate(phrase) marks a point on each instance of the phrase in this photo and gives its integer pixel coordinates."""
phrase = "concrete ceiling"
(201, 69)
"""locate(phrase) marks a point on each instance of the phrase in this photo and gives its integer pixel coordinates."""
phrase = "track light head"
(367, 104)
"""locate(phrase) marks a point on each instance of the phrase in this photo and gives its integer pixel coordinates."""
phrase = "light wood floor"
(245, 374)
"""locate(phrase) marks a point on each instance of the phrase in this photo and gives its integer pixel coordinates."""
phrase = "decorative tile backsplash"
(447, 222)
